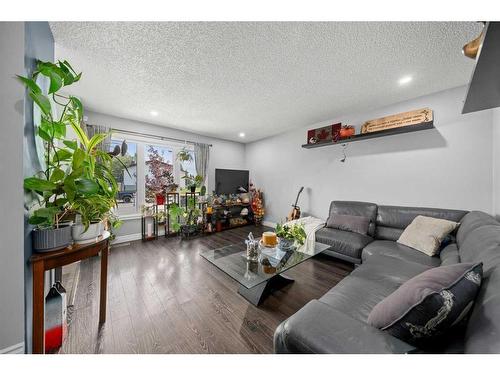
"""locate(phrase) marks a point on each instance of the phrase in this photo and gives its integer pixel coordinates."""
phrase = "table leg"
(104, 285)
(38, 308)
(259, 293)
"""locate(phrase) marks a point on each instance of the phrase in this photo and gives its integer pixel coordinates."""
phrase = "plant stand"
(170, 199)
(151, 219)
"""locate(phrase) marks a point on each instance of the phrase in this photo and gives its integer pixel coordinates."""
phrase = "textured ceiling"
(220, 79)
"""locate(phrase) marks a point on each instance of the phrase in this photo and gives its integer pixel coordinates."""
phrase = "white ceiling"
(220, 79)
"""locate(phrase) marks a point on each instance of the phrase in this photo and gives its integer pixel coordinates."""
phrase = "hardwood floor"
(163, 297)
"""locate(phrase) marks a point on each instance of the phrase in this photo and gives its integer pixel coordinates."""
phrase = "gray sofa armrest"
(318, 328)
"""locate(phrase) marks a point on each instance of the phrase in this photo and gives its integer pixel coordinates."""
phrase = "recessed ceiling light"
(153, 113)
(242, 134)
(404, 80)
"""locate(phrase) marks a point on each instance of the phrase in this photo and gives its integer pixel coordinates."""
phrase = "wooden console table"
(42, 262)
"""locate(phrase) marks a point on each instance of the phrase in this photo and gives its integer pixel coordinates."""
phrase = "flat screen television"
(227, 181)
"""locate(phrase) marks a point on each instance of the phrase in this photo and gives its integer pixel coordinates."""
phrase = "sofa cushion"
(350, 223)
(364, 209)
(482, 245)
(392, 220)
(430, 304)
(401, 252)
(471, 221)
(367, 285)
(425, 234)
(449, 255)
(357, 296)
(346, 243)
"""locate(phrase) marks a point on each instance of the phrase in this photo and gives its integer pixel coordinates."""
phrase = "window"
(159, 171)
(187, 167)
(124, 169)
(151, 167)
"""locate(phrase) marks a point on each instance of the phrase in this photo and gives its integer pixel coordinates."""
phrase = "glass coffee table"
(256, 280)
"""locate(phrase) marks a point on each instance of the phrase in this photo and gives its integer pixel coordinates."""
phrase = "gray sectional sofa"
(337, 322)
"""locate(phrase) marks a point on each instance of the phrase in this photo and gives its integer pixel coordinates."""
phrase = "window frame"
(142, 143)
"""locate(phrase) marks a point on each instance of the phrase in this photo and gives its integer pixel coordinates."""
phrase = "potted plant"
(185, 155)
(159, 177)
(78, 179)
(172, 188)
(190, 181)
(50, 212)
(291, 235)
(185, 219)
(93, 205)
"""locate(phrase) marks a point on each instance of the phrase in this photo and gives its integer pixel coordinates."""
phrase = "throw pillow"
(426, 233)
(429, 304)
(350, 223)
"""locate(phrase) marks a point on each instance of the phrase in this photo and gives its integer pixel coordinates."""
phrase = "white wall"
(11, 201)
(450, 166)
(223, 154)
(496, 161)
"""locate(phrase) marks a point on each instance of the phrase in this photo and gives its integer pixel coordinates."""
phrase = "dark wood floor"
(163, 297)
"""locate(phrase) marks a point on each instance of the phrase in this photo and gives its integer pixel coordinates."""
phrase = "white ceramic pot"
(80, 236)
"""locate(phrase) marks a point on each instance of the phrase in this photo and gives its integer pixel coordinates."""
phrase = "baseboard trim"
(14, 349)
(138, 236)
(269, 224)
(127, 238)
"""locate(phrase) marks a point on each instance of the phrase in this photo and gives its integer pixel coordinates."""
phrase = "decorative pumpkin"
(347, 131)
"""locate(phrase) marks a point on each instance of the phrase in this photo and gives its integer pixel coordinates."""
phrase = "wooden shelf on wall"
(381, 133)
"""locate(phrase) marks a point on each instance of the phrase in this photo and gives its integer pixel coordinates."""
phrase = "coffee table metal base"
(259, 293)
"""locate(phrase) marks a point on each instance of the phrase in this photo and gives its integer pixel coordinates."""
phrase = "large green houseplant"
(76, 174)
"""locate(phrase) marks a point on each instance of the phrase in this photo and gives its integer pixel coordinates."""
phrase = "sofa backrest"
(365, 209)
(471, 221)
(478, 239)
(392, 220)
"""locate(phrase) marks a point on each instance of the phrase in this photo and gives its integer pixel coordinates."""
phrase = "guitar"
(295, 212)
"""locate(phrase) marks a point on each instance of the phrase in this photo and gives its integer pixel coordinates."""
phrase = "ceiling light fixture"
(153, 113)
(242, 135)
(404, 80)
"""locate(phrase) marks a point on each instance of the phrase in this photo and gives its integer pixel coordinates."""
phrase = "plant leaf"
(56, 82)
(61, 155)
(82, 137)
(95, 140)
(59, 129)
(44, 135)
(38, 184)
(57, 175)
(71, 144)
(78, 158)
(42, 102)
(31, 84)
(86, 186)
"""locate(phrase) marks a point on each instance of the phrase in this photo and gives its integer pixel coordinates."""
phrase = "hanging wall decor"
(411, 118)
(330, 133)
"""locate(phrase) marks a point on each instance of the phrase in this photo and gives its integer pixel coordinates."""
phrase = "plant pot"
(80, 236)
(286, 244)
(192, 188)
(51, 239)
(160, 199)
(218, 226)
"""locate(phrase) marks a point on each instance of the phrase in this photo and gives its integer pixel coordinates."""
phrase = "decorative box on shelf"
(325, 134)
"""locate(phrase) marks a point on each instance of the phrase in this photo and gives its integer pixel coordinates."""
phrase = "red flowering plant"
(160, 174)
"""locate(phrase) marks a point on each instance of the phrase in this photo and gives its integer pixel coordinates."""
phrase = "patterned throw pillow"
(429, 304)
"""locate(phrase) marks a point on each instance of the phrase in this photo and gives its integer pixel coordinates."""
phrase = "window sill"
(127, 217)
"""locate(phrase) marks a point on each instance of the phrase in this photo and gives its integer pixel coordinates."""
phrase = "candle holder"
(149, 223)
